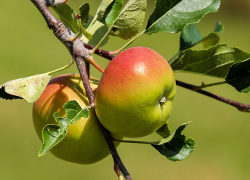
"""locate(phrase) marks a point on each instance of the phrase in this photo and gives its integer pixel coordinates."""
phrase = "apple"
(135, 93)
(84, 142)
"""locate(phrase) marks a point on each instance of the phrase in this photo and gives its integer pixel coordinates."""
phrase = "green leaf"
(218, 27)
(113, 12)
(53, 134)
(214, 37)
(176, 147)
(190, 35)
(239, 76)
(130, 20)
(102, 8)
(67, 16)
(164, 131)
(74, 112)
(97, 31)
(172, 15)
(84, 12)
(29, 88)
(215, 61)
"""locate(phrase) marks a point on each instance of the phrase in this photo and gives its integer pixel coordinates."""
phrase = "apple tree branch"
(80, 55)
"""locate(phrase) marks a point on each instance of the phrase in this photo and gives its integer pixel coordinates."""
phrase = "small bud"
(78, 16)
(55, 2)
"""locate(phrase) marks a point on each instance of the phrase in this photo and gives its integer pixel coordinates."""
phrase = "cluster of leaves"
(218, 60)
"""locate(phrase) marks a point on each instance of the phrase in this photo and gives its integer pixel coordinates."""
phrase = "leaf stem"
(127, 44)
(62, 68)
(100, 42)
(209, 85)
(92, 61)
(170, 61)
(133, 141)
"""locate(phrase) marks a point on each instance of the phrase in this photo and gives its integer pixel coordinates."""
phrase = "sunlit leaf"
(113, 12)
(52, 135)
(130, 20)
(172, 15)
(29, 88)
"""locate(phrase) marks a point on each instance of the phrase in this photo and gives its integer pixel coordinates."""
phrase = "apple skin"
(129, 93)
(84, 142)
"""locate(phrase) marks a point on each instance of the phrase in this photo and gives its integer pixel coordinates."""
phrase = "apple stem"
(80, 54)
(238, 105)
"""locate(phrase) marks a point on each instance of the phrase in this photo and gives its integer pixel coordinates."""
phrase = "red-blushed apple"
(135, 94)
(84, 142)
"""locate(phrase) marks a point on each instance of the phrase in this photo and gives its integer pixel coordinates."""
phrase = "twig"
(238, 105)
(79, 54)
(117, 160)
(87, 65)
(203, 85)
(100, 52)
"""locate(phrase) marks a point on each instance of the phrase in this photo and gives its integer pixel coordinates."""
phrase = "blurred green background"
(222, 133)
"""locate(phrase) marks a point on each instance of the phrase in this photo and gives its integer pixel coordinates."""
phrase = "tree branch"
(238, 105)
(79, 54)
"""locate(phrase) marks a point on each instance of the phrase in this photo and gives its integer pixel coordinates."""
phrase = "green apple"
(84, 142)
(135, 94)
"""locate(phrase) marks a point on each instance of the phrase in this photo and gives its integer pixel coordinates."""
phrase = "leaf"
(176, 147)
(239, 76)
(113, 12)
(29, 88)
(130, 20)
(97, 31)
(218, 27)
(164, 131)
(214, 37)
(53, 134)
(190, 35)
(172, 15)
(67, 16)
(102, 8)
(74, 112)
(84, 12)
(215, 61)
